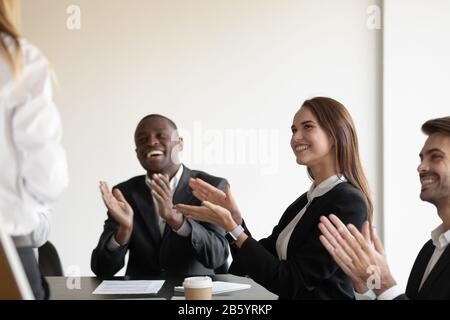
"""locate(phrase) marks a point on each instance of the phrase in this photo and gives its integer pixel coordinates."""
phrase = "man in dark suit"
(142, 220)
(430, 275)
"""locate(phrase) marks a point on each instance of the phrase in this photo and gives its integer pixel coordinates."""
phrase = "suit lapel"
(144, 203)
(292, 211)
(183, 193)
(287, 217)
(309, 219)
(442, 264)
(418, 270)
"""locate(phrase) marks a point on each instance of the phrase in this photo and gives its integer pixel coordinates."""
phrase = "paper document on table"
(222, 287)
(129, 287)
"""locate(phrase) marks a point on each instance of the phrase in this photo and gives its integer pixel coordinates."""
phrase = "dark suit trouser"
(38, 284)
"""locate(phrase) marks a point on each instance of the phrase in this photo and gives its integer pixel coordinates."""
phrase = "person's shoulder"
(34, 65)
(35, 70)
(131, 183)
(31, 54)
(346, 191)
(346, 195)
(209, 178)
(348, 203)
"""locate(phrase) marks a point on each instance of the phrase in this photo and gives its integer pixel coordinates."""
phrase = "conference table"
(81, 288)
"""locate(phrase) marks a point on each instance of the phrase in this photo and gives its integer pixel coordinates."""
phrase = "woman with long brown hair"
(292, 262)
(34, 168)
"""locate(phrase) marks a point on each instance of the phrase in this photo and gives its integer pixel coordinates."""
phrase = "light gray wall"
(416, 88)
(215, 67)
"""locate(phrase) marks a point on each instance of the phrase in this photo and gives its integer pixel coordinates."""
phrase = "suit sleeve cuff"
(112, 244)
(391, 293)
(185, 229)
(368, 295)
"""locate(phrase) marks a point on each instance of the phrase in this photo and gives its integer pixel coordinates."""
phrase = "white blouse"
(33, 163)
(314, 192)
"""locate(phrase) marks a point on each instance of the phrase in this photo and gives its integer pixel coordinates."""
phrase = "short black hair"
(441, 125)
(154, 115)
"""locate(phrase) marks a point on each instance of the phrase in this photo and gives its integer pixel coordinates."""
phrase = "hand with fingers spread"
(206, 192)
(163, 196)
(120, 211)
(209, 212)
(360, 255)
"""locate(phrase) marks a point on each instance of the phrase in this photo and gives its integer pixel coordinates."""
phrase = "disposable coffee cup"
(197, 288)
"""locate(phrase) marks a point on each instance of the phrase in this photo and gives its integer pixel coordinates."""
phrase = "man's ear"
(180, 144)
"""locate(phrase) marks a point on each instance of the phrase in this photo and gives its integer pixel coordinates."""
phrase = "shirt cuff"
(368, 295)
(112, 244)
(185, 229)
(391, 293)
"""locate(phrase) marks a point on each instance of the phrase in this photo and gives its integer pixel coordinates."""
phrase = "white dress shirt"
(441, 239)
(185, 229)
(314, 192)
(34, 167)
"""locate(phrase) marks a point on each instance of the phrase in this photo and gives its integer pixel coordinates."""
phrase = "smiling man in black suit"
(141, 218)
(430, 275)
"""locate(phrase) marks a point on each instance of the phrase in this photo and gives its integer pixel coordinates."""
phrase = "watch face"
(229, 238)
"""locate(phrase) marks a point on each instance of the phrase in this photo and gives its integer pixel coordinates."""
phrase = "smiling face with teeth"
(158, 145)
(434, 169)
(312, 146)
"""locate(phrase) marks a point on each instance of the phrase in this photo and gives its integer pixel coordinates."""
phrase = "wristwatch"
(234, 234)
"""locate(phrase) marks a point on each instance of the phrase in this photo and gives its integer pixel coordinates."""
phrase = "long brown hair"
(334, 118)
(9, 16)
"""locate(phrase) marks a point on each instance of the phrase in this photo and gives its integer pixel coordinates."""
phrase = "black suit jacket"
(309, 271)
(152, 255)
(437, 284)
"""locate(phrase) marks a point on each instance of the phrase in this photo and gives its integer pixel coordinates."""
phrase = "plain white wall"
(416, 88)
(215, 67)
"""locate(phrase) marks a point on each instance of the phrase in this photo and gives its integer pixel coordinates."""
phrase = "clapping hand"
(119, 210)
(208, 212)
(206, 192)
(163, 196)
(360, 255)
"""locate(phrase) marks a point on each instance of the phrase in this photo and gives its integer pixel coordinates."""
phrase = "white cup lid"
(197, 282)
